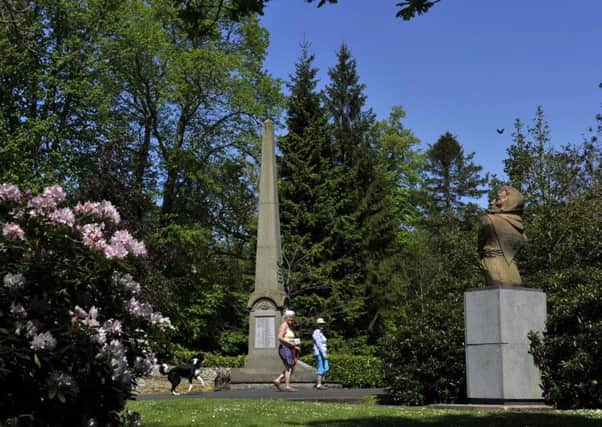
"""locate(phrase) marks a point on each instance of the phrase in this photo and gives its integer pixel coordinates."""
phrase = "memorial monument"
(268, 299)
(499, 368)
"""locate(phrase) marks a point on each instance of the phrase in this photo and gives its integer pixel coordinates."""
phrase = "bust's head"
(509, 199)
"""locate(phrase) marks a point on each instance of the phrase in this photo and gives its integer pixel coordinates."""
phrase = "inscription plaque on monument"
(265, 334)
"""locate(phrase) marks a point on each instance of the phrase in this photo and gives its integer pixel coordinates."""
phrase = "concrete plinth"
(262, 363)
(499, 368)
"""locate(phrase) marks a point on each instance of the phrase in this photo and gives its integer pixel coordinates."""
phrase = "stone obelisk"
(268, 299)
(269, 253)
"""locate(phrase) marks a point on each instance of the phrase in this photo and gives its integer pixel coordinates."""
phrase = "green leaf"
(36, 360)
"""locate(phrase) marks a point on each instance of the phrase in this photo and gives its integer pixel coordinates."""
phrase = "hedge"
(352, 371)
(347, 370)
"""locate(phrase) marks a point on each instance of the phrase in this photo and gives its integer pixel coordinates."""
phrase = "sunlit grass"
(266, 413)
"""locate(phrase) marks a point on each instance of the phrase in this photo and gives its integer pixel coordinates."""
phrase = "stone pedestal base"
(262, 363)
(499, 368)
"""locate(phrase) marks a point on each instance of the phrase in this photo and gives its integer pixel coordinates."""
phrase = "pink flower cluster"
(120, 245)
(12, 231)
(50, 199)
(85, 318)
(123, 243)
(10, 193)
(62, 216)
(99, 210)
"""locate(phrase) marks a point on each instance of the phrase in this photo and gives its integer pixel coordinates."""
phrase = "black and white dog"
(188, 371)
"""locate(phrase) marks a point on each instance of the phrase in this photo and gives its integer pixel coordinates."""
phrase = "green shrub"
(570, 351)
(423, 354)
(217, 361)
(181, 355)
(357, 346)
(352, 371)
(75, 330)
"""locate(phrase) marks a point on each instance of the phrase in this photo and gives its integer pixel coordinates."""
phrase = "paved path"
(308, 394)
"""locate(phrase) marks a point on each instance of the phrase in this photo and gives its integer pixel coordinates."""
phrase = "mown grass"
(268, 413)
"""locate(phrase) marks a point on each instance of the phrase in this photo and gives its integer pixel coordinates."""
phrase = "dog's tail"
(164, 369)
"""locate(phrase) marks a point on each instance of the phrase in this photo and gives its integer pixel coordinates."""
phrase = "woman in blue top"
(320, 352)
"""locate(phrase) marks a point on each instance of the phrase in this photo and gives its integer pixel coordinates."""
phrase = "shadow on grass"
(464, 420)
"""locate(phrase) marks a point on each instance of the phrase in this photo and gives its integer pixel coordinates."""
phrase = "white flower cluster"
(13, 281)
(145, 310)
(98, 332)
(43, 341)
(126, 282)
(119, 362)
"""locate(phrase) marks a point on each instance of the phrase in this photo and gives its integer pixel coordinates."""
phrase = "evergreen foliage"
(563, 257)
(423, 347)
(305, 211)
(452, 175)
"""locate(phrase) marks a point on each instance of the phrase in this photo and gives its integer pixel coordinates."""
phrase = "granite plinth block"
(499, 368)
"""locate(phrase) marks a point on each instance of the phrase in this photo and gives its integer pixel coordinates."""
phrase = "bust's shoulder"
(485, 219)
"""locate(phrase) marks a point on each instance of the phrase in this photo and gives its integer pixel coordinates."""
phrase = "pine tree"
(364, 226)
(303, 202)
(453, 176)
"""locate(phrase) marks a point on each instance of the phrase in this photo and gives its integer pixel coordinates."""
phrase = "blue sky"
(467, 66)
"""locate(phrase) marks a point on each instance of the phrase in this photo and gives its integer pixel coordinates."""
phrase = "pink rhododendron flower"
(115, 251)
(93, 236)
(10, 193)
(62, 216)
(54, 195)
(37, 205)
(137, 248)
(123, 238)
(12, 231)
(99, 210)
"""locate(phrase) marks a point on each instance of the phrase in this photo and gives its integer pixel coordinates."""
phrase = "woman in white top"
(287, 350)
(320, 352)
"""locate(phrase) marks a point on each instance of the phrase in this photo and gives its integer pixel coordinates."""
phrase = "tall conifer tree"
(303, 203)
(453, 175)
(363, 225)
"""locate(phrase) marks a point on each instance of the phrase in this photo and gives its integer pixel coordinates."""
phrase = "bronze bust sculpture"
(501, 235)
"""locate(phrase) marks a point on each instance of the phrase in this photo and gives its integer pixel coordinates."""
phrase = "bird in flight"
(500, 131)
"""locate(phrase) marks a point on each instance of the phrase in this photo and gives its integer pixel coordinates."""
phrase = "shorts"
(286, 355)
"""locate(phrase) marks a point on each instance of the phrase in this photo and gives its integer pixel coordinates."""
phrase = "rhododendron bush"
(75, 331)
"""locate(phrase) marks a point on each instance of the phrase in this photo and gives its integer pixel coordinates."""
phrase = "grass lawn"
(266, 413)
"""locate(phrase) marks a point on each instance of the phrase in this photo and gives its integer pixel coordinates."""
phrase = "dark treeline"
(156, 106)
